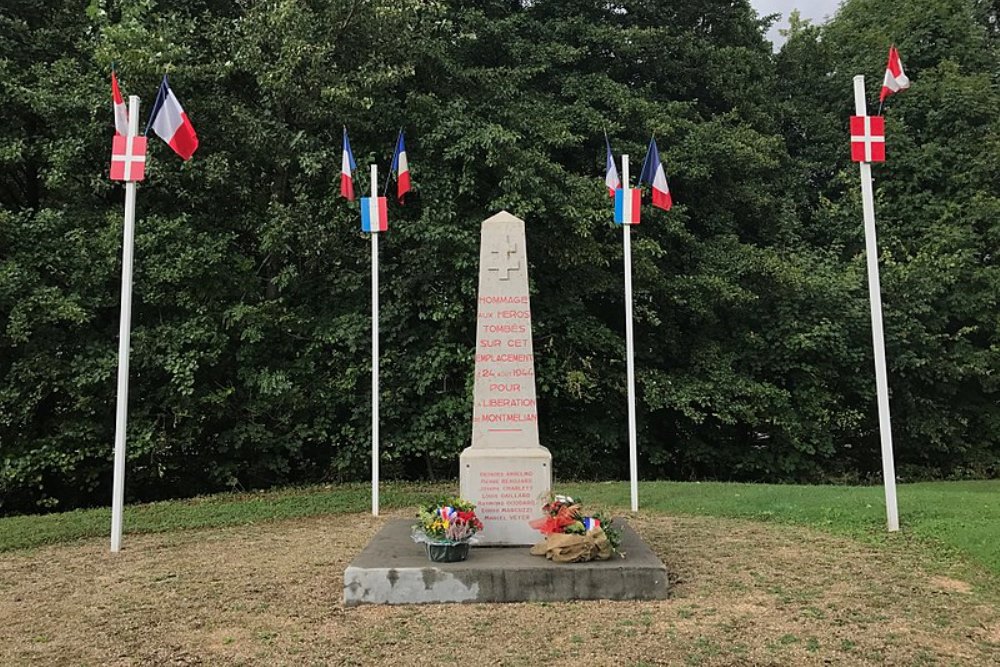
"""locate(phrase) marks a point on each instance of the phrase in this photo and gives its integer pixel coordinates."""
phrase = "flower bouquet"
(573, 537)
(447, 528)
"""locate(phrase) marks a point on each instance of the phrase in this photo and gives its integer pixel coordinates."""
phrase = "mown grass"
(224, 509)
(960, 516)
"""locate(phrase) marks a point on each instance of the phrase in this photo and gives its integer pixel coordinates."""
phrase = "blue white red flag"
(401, 168)
(171, 124)
(611, 171)
(590, 523)
(652, 173)
(374, 216)
(628, 206)
(347, 167)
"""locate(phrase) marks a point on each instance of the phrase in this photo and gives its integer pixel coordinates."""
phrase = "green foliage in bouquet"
(448, 520)
(564, 514)
(613, 532)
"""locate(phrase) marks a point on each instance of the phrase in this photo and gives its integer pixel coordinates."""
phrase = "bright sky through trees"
(817, 10)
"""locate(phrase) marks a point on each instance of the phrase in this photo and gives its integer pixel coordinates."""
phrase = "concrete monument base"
(509, 487)
(393, 569)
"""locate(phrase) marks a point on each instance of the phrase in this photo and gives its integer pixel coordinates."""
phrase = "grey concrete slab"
(393, 569)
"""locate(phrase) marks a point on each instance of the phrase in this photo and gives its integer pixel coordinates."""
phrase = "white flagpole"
(629, 345)
(124, 343)
(878, 339)
(375, 456)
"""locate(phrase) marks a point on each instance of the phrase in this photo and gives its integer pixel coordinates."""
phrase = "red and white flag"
(347, 167)
(868, 138)
(171, 124)
(128, 158)
(121, 112)
(895, 79)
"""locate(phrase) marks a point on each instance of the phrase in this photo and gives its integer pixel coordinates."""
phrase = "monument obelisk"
(506, 472)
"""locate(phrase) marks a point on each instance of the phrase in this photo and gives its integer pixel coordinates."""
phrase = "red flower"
(559, 516)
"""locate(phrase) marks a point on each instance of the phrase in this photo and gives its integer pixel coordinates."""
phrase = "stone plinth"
(393, 569)
(506, 472)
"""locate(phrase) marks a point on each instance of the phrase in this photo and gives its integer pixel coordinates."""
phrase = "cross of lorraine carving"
(503, 262)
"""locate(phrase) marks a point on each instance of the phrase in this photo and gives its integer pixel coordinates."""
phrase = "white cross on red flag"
(128, 158)
(868, 138)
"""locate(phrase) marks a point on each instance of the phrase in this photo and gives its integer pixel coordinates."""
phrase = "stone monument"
(505, 471)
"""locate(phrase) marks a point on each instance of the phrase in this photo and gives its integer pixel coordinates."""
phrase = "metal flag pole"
(878, 338)
(124, 343)
(375, 457)
(629, 345)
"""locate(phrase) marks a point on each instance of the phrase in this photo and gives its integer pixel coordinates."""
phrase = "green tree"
(250, 322)
(936, 210)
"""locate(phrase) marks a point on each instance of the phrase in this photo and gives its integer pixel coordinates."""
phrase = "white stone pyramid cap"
(503, 216)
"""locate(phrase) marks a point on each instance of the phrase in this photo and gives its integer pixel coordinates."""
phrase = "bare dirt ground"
(745, 594)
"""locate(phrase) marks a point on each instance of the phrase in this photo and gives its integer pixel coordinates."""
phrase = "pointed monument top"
(503, 216)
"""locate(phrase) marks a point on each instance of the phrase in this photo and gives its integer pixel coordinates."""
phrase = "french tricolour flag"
(347, 167)
(401, 168)
(628, 206)
(171, 124)
(374, 214)
(611, 171)
(652, 173)
(121, 112)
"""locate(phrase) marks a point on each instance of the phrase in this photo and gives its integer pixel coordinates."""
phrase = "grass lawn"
(958, 517)
(961, 517)
(760, 574)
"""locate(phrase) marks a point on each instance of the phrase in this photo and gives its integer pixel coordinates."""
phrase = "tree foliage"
(250, 319)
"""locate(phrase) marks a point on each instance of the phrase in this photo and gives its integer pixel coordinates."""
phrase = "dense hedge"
(250, 322)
